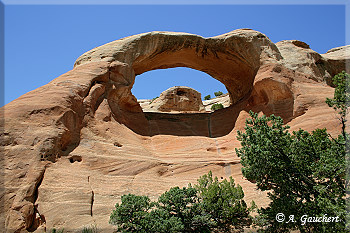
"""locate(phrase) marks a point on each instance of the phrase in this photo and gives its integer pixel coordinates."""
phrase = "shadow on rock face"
(216, 124)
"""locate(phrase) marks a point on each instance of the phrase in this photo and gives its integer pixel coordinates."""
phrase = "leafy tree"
(208, 206)
(184, 204)
(218, 93)
(159, 220)
(215, 107)
(207, 97)
(340, 101)
(304, 172)
(130, 215)
(224, 203)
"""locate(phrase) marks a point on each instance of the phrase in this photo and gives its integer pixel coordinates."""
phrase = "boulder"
(177, 99)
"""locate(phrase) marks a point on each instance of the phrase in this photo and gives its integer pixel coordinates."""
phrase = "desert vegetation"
(304, 172)
(153, 99)
(218, 93)
(207, 97)
(215, 107)
(86, 229)
(207, 206)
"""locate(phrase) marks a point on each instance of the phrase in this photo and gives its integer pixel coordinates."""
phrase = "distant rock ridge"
(72, 147)
(150, 105)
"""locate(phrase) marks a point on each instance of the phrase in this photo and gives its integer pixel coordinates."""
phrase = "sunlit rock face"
(177, 99)
(72, 147)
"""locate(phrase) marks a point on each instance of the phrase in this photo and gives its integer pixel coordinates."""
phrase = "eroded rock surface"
(177, 99)
(147, 105)
(71, 148)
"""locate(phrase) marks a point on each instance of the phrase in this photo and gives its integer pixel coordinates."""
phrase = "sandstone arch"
(233, 58)
(88, 112)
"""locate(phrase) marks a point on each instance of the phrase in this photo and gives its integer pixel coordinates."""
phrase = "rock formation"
(72, 147)
(148, 105)
(176, 99)
(222, 99)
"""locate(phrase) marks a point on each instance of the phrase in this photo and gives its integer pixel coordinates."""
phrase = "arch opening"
(188, 123)
(228, 68)
(179, 89)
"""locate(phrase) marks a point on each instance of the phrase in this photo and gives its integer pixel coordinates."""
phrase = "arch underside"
(236, 75)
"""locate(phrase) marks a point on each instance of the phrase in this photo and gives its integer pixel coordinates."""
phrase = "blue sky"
(42, 42)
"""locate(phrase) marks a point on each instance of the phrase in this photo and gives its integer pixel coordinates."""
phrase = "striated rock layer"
(72, 147)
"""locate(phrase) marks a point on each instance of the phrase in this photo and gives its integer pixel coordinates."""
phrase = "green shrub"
(153, 99)
(207, 97)
(215, 107)
(218, 93)
(208, 206)
(90, 229)
(130, 215)
(223, 204)
(54, 230)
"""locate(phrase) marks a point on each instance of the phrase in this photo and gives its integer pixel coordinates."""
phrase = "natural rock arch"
(233, 59)
(45, 127)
